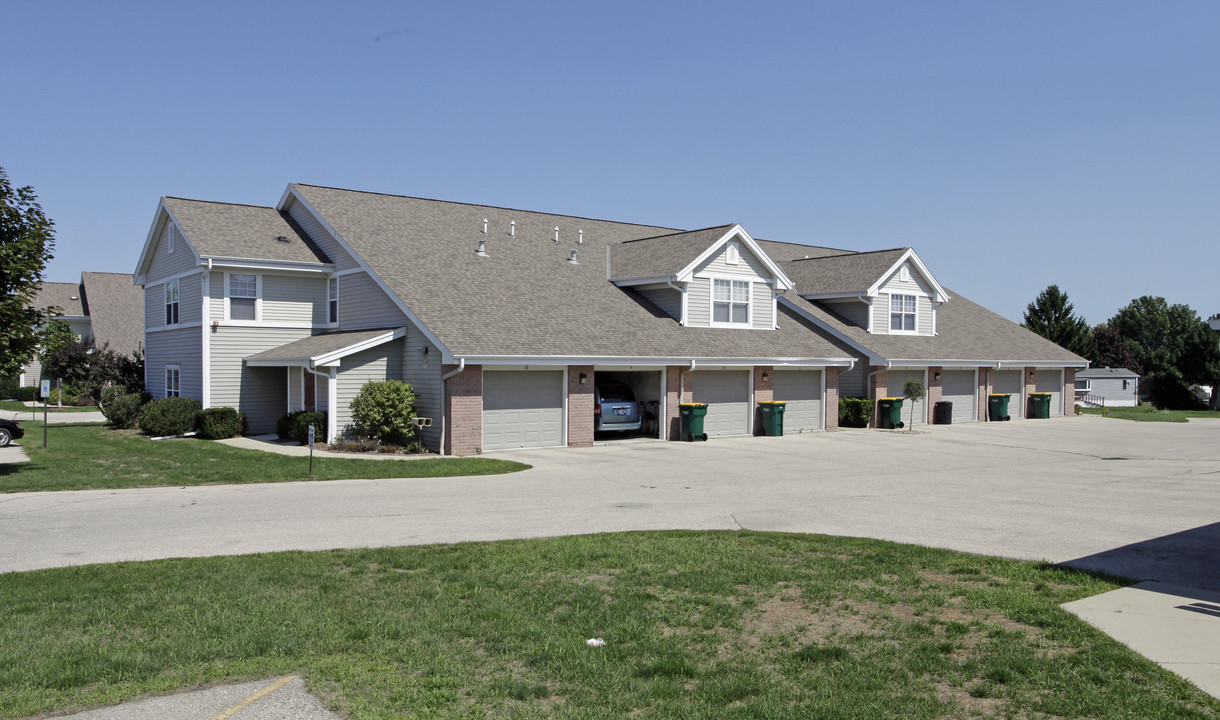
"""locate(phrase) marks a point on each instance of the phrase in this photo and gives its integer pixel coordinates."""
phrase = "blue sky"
(1013, 145)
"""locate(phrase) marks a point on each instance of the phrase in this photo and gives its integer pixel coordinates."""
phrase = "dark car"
(615, 408)
(10, 430)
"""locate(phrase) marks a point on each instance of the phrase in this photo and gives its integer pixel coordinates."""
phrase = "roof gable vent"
(482, 251)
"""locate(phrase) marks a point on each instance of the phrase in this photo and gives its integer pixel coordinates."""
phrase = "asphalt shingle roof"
(225, 230)
(116, 310)
(851, 272)
(65, 296)
(318, 345)
(663, 255)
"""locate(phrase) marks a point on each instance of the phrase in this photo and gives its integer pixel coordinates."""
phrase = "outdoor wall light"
(766, 377)
(424, 350)
(936, 375)
(583, 378)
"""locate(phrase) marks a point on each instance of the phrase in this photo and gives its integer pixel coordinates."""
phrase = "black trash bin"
(942, 413)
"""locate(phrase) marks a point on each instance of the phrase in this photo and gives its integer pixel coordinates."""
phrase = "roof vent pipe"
(580, 237)
(484, 226)
(572, 259)
(512, 229)
(557, 233)
(482, 248)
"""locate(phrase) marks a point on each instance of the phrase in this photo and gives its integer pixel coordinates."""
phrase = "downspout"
(681, 320)
(681, 383)
(461, 366)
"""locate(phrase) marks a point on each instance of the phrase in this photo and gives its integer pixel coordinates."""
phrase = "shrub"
(855, 412)
(121, 407)
(8, 387)
(25, 394)
(69, 395)
(385, 411)
(284, 426)
(218, 423)
(168, 416)
(301, 423)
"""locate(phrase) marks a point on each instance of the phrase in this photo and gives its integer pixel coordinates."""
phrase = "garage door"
(727, 394)
(958, 387)
(1051, 380)
(1010, 382)
(522, 409)
(895, 379)
(802, 390)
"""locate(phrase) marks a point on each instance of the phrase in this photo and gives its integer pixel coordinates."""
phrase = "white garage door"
(958, 387)
(522, 409)
(1010, 382)
(1051, 380)
(895, 379)
(802, 390)
(727, 394)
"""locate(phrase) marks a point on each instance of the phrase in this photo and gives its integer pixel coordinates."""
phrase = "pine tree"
(1052, 316)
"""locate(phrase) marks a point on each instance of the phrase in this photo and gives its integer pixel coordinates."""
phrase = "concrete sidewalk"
(273, 444)
(274, 699)
(53, 416)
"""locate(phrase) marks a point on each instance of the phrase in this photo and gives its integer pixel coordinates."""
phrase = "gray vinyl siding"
(664, 297)
(216, 296)
(1111, 389)
(33, 373)
(380, 363)
(165, 263)
(174, 347)
(362, 304)
(761, 307)
(851, 384)
(423, 373)
(260, 393)
(699, 302)
(190, 302)
(289, 299)
(853, 311)
(296, 388)
(916, 286)
(748, 267)
(321, 237)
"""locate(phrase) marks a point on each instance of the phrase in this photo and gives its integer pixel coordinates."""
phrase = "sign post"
(46, 394)
(311, 436)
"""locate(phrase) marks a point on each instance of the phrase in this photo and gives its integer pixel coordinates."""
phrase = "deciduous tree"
(1175, 347)
(26, 242)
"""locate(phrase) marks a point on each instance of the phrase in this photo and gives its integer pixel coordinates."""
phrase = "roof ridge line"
(219, 202)
(679, 232)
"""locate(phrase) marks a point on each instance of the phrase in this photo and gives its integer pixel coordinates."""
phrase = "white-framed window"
(173, 380)
(243, 297)
(171, 302)
(332, 301)
(1082, 385)
(732, 254)
(902, 313)
(731, 302)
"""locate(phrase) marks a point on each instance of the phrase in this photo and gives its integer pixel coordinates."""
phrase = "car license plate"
(620, 411)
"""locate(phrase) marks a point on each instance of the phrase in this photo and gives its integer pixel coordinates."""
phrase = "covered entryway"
(1010, 382)
(959, 388)
(522, 409)
(727, 394)
(894, 380)
(1050, 380)
(802, 390)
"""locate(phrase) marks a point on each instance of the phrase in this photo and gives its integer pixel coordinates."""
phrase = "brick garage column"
(935, 392)
(1030, 378)
(580, 406)
(464, 410)
(984, 389)
(877, 390)
(673, 426)
(831, 401)
(763, 392)
(1069, 391)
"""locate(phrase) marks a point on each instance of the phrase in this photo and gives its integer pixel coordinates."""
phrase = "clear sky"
(1012, 144)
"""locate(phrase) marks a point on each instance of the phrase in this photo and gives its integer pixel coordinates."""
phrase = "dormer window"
(731, 302)
(902, 313)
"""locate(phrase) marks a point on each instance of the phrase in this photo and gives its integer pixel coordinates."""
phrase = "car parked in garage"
(615, 408)
(10, 430)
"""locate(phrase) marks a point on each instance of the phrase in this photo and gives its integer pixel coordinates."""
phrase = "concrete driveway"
(1136, 499)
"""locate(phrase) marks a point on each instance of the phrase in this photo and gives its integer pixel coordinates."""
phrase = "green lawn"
(696, 625)
(1147, 413)
(18, 406)
(82, 456)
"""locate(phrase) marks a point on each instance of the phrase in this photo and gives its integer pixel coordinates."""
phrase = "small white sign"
(46, 388)
(311, 436)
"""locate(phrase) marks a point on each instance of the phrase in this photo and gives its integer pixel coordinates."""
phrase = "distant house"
(103, 307)
(1107, 387)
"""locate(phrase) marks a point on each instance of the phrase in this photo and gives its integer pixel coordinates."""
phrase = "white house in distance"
(1107, 387)
(505, 320)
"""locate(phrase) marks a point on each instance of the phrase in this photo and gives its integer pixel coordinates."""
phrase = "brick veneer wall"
(464, 411)
(673, 426)
(877, 391)
(580, 406)
(1030, 378)
(764, 391)
(935, 393)
(984, 389)
(1069, 391)
(831, 401)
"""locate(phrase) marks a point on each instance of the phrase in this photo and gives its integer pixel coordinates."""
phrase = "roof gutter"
(461, 366)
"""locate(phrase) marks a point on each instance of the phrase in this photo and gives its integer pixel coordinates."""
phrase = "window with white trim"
(171, 302)
(332, 301)
(902, 313)
(243, 297)
(731, 302)
(173, 381)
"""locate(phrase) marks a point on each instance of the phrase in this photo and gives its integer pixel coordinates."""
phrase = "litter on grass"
(595, 642)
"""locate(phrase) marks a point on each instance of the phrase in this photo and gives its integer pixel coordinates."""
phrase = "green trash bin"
(889, 413)
(1040, 405)
(997, 407)
(691, 415)
(772, 417)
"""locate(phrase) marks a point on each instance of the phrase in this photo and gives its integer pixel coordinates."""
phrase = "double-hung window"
(171, 302)
(902, 313)
(332, 301)
(731, 301)
(243, 297)
(173, 380)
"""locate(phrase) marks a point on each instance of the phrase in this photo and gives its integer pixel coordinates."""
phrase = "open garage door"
(802, 390)
(1010, 382)
(727, 394)
(522, 409)
(958, 387)
(895, 379)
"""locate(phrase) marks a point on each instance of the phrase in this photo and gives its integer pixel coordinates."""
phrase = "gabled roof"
(847, 273)
(116, 310)
(65, 296)
(524, 298)
(224, 230)
(663, 255)
(325, 348)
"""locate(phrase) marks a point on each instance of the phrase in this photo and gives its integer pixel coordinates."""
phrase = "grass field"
(1147, 413)
(87, 456)
(696, 625)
